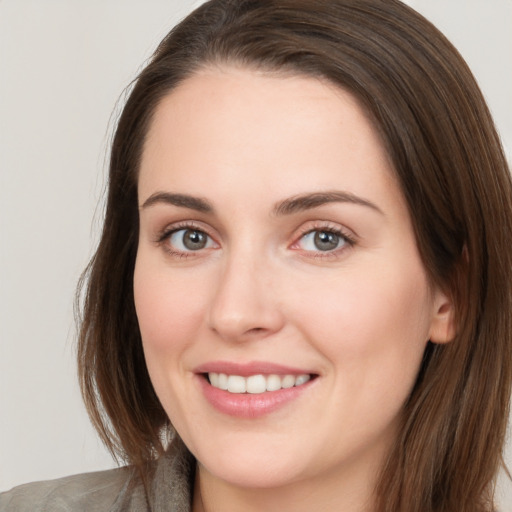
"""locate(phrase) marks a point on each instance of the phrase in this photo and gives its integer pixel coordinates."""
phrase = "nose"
(245, 305)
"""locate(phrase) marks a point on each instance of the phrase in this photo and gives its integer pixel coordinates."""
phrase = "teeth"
(255, 383)
(223, 381)
(288, 381)
(301, 379)
(237, 384)
(214, 379)
(273, 382)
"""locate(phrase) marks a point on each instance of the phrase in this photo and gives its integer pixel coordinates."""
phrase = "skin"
(358, 316)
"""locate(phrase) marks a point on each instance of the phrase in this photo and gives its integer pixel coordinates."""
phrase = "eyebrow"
(182, 200)
(289, 206)
(308, 201)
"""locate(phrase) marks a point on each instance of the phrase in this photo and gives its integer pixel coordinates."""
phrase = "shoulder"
(169, 489)
(89, 491)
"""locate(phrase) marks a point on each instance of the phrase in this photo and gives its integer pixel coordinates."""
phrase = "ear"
(442, 326)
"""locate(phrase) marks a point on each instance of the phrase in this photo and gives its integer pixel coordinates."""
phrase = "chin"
(254, 474)
(256, 464)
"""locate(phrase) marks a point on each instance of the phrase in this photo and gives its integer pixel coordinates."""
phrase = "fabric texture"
(117, 490)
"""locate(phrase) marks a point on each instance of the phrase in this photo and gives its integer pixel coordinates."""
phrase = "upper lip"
(250, 368)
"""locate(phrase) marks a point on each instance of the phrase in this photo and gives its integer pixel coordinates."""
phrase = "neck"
(346, 490)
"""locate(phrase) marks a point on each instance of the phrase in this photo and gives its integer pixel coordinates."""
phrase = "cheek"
(168, 307)
(372, 326)
(169, 313)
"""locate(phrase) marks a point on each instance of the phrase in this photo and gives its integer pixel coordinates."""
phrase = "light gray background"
(63, 66)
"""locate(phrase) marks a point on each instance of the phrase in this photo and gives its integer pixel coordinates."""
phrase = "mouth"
(254, 389)
(255, 384)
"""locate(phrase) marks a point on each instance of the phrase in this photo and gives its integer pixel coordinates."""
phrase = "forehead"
(232, 127)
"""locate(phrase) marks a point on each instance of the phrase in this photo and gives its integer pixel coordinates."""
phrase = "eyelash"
(170, 230)
(347, 239)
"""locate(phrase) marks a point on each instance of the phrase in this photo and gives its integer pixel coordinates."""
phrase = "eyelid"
(348, 235)
(165, 233)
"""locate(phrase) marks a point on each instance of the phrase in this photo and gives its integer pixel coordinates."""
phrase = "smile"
(254, 389)
(255, 384)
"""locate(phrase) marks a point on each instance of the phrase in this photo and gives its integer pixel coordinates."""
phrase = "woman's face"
(276, 250)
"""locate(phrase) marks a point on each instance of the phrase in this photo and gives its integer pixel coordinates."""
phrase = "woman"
(301, 297)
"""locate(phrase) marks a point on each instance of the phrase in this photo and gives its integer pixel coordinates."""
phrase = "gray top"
(115, 490)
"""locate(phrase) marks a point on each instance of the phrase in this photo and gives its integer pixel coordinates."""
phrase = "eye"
(323, 240)
(189, 239)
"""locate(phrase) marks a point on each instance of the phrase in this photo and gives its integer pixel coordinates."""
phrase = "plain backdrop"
(63, 67)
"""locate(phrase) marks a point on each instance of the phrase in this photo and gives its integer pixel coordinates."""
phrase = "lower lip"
(247, 405)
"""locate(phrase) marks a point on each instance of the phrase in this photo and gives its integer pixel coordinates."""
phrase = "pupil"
(325, 241)
(194, 240)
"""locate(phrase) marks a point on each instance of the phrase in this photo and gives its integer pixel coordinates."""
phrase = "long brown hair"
(449, 162)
